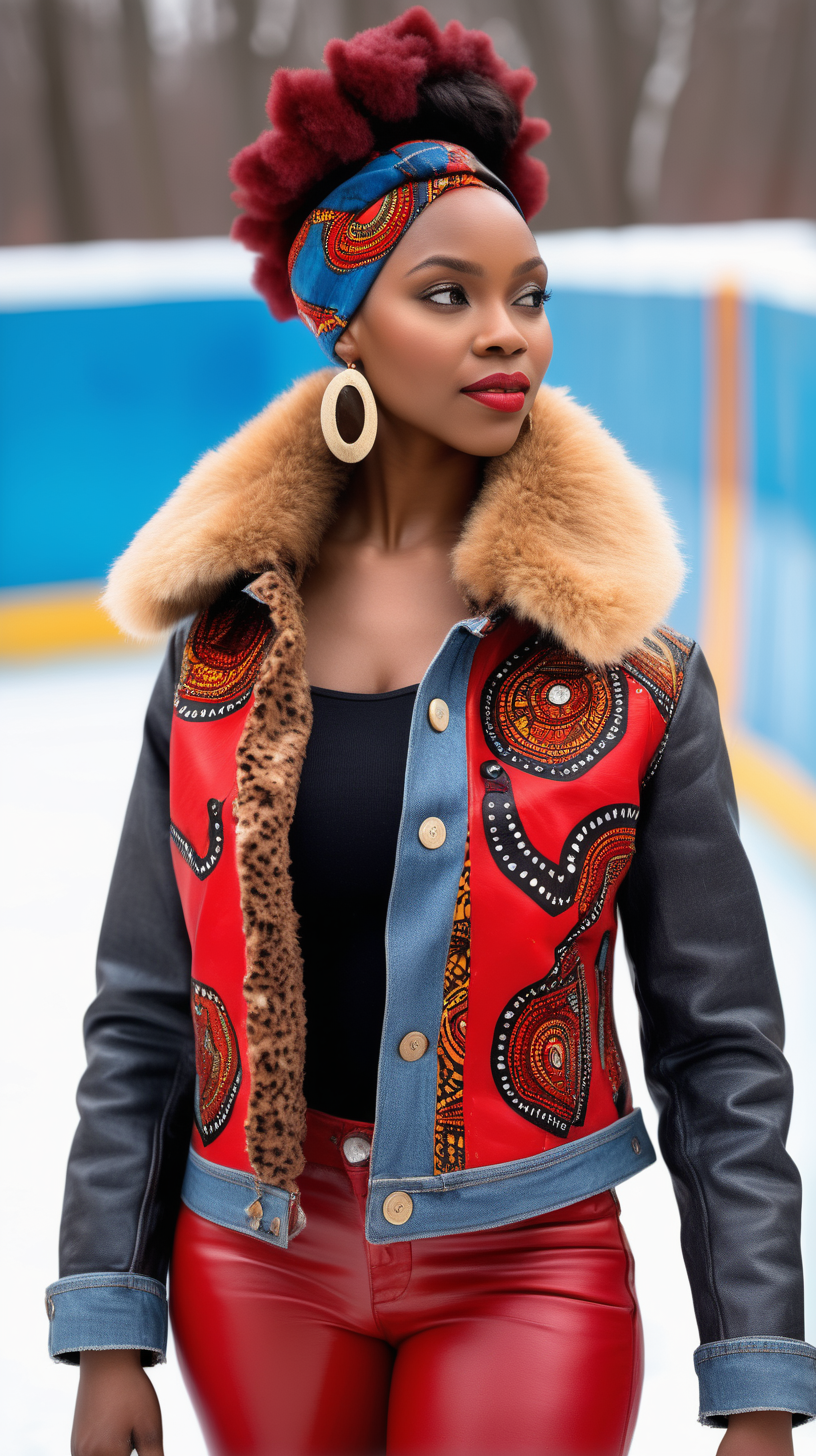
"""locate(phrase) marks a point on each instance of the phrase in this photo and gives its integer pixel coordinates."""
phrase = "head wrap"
(344, 242)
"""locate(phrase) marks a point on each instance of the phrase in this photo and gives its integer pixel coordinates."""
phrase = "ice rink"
(71, 733)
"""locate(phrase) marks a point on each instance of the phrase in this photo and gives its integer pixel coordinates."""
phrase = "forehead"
(474, 223)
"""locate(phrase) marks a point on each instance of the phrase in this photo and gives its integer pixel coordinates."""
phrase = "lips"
(503, 392)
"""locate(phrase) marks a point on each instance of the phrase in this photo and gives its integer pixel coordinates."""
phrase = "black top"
(343, 843)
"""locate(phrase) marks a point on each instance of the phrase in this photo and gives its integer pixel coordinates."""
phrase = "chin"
(495, 439)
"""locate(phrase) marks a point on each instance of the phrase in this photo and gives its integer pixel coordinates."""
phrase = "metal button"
(356, 1149)
(398, 1208)
(438, 714)
(50, 1307)
(432, 833)
(413, 1046)
(635, 1145)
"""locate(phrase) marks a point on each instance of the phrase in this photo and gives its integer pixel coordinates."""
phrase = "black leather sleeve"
(712, 1032)
(136, 1097)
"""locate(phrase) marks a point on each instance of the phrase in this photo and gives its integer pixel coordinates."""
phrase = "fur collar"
(566, 532)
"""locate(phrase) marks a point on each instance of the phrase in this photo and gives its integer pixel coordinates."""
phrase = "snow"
(769, 260)
(71, 733)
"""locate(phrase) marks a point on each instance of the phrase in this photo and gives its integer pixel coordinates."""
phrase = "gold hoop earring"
(348, 451)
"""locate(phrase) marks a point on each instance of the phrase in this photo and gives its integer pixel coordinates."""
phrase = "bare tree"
(70, 189)
(667, 110)
(138, 65)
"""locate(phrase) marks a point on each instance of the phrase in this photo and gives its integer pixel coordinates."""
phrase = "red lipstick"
(499, 391)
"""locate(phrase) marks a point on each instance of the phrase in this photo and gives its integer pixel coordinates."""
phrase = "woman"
(460, 765)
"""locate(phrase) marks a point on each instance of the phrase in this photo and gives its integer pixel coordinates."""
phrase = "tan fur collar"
(566, 531)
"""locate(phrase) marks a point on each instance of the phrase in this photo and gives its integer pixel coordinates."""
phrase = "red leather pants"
(523, 1340)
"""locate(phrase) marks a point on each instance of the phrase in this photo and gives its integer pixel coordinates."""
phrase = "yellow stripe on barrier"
(772, 783)
(48, 621)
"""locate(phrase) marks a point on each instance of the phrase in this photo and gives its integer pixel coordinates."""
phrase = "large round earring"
(349, 451)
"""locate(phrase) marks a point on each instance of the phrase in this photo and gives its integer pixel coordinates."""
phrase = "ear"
(347, 347)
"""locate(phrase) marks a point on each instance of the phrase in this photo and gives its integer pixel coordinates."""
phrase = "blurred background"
(681, 239)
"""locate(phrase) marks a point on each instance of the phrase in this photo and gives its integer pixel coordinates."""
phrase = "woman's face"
(453, 337)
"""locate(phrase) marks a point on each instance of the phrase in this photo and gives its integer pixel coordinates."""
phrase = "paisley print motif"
(319, 320)
(542, 1051)
(352, 239)
(597, 849)
(541, 1056)
(222, 655)
(218, 1062)
(659, 666)
(546, 712)
(449, 1129)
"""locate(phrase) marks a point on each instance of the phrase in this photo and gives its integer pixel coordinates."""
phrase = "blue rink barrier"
(121, 363)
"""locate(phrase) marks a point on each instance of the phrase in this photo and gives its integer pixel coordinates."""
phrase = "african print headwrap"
(344, 242)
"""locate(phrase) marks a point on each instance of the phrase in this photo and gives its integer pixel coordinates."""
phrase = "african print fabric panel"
(659, 666)
(218, 1062)
(222, 657)
(546, 712)
(541, 1056)
(449, 1130)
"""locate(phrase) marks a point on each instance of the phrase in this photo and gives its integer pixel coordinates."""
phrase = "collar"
(566, 532)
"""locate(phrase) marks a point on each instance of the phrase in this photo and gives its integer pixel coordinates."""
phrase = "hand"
(117, 1409)
(758, 1433)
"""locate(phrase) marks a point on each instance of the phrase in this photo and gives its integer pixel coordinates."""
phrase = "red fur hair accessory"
(325, 123)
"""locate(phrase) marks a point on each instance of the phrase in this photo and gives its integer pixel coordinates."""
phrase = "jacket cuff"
(737, 1376)
(107, 1312)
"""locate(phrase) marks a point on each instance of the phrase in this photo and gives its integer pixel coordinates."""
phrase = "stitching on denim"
(141, 1283)
(374, 1220)
(744, 1410)
(454, 663)
(757, 1348)
(582, 1147)
(75, 1349)
(236, 1228)
(233, 1177)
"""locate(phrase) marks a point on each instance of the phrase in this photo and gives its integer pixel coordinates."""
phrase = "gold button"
(398, 1208)
(413, 1046)
(432, 833)
(438, 714)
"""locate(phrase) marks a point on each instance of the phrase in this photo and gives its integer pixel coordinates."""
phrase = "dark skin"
(460, 298)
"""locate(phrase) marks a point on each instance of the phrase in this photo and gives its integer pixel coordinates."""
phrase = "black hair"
(467, 110)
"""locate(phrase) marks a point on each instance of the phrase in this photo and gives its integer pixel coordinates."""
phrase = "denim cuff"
(756, 1374)
(107, 1312)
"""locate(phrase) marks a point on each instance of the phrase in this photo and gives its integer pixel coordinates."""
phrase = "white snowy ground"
(70, 736)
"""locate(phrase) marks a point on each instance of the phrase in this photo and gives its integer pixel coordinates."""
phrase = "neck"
(411, 490)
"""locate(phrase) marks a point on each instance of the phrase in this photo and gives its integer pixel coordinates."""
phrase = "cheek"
(540, 345)
(411, 359)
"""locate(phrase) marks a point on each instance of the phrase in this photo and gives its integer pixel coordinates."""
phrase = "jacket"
(566, 767)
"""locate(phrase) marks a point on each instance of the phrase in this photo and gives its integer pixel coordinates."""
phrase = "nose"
(499, 334)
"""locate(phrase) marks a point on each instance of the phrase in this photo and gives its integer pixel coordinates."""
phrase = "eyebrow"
(441, 260)
(529, 265)
(461, 265)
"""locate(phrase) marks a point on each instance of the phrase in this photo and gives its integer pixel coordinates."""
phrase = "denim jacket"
(566, 765)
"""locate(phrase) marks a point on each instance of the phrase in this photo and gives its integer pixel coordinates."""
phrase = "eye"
(447, 295)
(533, 297)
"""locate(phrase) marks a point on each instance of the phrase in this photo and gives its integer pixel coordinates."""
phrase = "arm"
(712, 1032)
(135, 1099)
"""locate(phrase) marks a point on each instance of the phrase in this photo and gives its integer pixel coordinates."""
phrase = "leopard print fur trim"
(269, 762)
